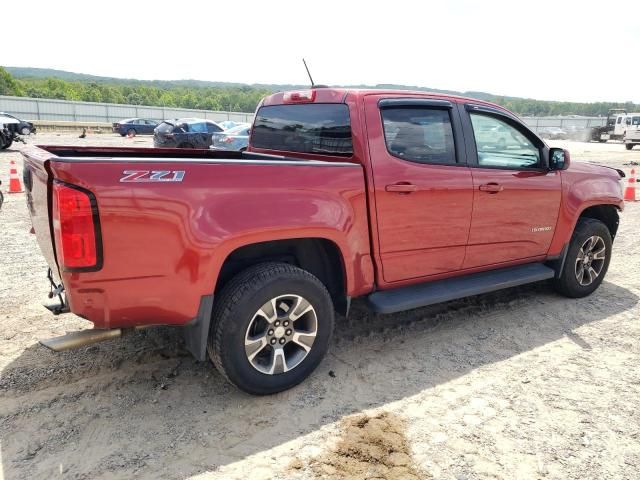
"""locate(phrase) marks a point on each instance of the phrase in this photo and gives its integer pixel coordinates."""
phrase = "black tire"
(567, 284)
(131, 132)
(628, 146)
(6, 145)
(234, 310)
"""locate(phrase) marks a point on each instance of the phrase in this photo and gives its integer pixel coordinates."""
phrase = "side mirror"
(559, 159)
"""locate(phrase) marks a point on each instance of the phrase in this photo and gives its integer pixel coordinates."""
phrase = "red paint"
(394, 222)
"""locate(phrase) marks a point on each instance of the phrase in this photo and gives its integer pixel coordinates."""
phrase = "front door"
(423, 187)
(516, 200)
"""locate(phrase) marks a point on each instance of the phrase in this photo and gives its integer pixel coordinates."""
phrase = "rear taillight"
(76, 228)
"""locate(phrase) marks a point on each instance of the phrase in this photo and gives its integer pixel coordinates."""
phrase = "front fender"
(580, 192)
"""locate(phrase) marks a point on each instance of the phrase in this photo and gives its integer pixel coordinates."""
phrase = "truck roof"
(340, 95)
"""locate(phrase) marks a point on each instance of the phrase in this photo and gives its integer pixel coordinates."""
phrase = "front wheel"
(6, 145)
(131, 132)
(587, 260)
(628, 146)
(271, 327)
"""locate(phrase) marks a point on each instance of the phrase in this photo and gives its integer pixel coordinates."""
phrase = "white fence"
(63, 110)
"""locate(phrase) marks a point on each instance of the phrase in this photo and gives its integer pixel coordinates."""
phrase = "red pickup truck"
(404, 198)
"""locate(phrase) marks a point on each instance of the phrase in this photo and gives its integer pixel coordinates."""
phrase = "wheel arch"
(319, 256)
(606, 213)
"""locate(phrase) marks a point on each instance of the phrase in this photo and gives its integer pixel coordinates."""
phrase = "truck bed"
(166, 232)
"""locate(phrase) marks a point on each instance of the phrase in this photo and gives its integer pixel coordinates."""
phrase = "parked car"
(236, 138)
(8, 127)
(135, 126)
(22, 127)
(253, 252)
(228, 124)
(553, 133)
(185, 133)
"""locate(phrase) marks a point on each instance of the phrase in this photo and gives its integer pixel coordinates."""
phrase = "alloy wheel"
(281, 334)
(590, 260)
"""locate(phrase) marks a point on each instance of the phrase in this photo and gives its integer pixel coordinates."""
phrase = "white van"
(632, 131)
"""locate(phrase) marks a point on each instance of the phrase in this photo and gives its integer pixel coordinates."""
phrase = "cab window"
(419, 134)
(501, 145)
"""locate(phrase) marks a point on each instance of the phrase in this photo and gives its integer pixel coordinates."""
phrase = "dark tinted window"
(322, 128)
(165, 127)
(419, 134)
(212, 128)
(199, 127)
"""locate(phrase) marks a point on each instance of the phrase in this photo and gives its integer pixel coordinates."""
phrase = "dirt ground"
(519, 384)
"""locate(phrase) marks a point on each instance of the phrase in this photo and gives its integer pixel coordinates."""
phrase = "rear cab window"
(318, 128)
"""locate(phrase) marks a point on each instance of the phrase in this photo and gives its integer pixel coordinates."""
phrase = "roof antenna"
(308, 73)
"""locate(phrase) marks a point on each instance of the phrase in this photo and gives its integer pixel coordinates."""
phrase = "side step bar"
(415, 296)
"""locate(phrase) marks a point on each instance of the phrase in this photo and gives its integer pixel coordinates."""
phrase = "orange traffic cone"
(630, 191)
(14, 180)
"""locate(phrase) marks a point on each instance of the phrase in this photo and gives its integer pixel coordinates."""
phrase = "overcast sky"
(553, 50)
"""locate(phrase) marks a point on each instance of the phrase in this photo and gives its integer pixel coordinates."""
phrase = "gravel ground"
(518, 384)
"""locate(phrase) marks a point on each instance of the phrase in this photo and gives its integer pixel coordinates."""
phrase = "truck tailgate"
(37, 181)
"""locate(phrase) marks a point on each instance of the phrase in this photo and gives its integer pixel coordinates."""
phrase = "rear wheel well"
(607, 214)
(318, 256)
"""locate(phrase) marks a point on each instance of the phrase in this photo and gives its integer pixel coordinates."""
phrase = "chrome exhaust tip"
(80, 339)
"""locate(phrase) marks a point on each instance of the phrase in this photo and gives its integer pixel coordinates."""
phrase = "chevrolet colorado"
(404, 198)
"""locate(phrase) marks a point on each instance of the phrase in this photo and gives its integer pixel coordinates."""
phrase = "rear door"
(516, 199)
(423, 187)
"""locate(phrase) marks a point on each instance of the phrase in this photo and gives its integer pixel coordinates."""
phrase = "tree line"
(238, 98)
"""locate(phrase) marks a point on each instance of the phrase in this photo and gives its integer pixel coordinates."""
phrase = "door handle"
(401, 188)
(491, 187)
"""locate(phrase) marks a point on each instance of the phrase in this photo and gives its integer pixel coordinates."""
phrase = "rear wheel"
(587, 260)
(628, 146)
(271, 327)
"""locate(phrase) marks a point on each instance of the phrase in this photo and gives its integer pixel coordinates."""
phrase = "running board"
(415, 296)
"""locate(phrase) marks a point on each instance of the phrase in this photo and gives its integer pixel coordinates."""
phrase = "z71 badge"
(152, 176)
